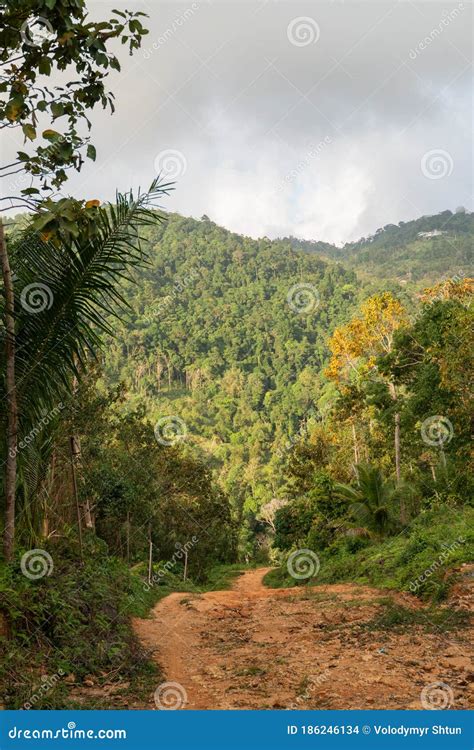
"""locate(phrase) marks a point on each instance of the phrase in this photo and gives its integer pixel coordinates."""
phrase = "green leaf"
(29, 131)
(44, 66)
(57, 109)
(91, 152)
(51, 135)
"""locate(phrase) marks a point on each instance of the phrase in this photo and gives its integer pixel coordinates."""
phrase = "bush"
(75, 621)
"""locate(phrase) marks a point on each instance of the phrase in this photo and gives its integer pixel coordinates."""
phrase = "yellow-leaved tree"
(356, 346)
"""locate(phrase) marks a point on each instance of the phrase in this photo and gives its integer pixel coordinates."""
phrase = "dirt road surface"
(252, 647)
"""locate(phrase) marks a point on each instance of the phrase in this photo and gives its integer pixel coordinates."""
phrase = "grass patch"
(433, 620)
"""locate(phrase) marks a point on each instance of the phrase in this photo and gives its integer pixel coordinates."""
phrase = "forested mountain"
(418, 252)
(229, 334)
(227, 337)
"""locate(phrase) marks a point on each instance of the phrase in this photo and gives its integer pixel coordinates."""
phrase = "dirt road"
(254, 647)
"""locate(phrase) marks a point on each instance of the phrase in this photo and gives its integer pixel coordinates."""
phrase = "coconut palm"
(371, 498)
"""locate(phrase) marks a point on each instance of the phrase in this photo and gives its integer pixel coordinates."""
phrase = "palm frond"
(68, 294)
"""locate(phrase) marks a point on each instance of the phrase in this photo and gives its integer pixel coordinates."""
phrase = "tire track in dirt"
(252, 647)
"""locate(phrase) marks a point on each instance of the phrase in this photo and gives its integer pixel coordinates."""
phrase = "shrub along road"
(340, 646)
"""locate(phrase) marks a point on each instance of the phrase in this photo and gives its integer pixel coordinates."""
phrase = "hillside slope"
(414, 253)
(226, 338)
(229, 335)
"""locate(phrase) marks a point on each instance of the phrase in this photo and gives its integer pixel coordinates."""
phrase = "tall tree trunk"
(128, 536)
(356, 447)
(72, 446)
(393, 393)
(150, 555)
(11, 401)
(397, 446)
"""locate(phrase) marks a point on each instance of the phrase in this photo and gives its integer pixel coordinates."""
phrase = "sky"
(322, 120)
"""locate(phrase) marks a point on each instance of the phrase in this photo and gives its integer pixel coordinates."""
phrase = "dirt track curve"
(253, 647)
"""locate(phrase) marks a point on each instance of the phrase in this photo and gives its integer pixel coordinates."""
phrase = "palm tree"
(371, 498)
(68, 290)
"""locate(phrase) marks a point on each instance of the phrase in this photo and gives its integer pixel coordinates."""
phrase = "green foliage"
(212, 338)
(76, 621)
(293, 522)
(416, 561)
(370, 499)
(38, 38)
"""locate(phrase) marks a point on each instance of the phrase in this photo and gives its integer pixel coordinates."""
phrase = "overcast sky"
(324, 120)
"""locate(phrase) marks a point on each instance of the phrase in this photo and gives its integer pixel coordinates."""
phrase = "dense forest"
(231, 336)
(180, 402)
